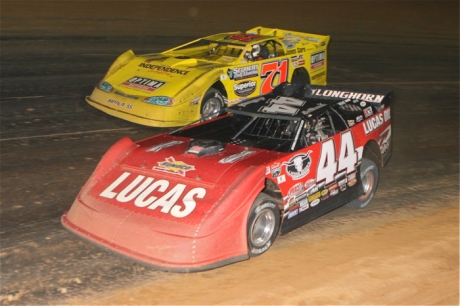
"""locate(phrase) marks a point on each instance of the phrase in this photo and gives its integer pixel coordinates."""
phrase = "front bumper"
(144, 239)
(142, 113)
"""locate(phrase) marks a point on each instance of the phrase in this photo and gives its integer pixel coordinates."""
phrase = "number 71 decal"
(329, 167)
(268, 73)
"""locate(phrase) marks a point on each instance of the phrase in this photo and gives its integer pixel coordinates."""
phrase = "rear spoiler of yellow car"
(292, 35)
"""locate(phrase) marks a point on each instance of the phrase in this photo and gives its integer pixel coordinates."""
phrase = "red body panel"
(167, 235)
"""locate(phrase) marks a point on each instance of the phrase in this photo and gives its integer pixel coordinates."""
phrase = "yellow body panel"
(167, 89)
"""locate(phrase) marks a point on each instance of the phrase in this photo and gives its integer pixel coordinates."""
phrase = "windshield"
(264, 133)
(204, 48)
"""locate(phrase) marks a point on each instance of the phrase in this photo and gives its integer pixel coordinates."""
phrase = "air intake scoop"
(202, 147)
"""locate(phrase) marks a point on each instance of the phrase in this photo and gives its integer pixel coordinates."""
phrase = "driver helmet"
(255, 51)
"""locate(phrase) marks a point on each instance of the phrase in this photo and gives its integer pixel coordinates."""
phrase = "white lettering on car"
(282, 105)
(141, 190)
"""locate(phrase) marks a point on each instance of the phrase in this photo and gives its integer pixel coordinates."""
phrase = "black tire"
(263, 224)
(369, 173)
(300, 76)
(212, 104)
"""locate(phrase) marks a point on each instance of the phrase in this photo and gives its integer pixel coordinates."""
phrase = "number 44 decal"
(269, 71)
(329, 167)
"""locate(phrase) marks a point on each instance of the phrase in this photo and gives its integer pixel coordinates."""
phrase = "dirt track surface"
(401, 250)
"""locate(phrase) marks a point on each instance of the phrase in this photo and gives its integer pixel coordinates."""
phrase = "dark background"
(54, 52)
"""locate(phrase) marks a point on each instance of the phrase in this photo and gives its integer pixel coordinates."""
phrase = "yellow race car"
(198, 80)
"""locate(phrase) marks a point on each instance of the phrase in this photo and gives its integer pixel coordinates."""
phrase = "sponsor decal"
(317, 60)
(362, 104)
(351, 122)
(315, 202)
(170, 165)
(292, 205)
(244, 88)
(368, 112)
(352, 182)
(239, 73)
(267, 170)
(333, 192)
(387, 114)
(309, 183)
(281, 179)
(146, 192)
(314, 197)
(351, 176)
(313, 189)
(296, 189)
(304, 207)
(293, 213)
(235, 157)
(373, 123)
(301, 50)
(161, 146)
(310, 38)
(324, 192)
(359, 118)
(289, 44)
(119, 103)
(298, 166)
(159, 68)
(298, 60)
(342, 182)
(318, 75)
(143, 83)
(348, 95)
(384, 140)
(303, 202)
(276, 172)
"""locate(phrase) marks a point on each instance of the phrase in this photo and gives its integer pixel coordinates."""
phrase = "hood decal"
(170, 165)
(141, 83)
(235, 157)
(164, 145)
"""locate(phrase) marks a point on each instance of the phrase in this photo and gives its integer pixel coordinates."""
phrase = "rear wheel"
(212, 104)
(263, 224)
(369, 173)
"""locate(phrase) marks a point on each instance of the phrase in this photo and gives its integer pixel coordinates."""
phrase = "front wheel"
(263, 224)
(212, 104)
(369, 173)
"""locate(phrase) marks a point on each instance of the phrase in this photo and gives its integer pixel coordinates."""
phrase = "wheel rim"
(211, 108)
(262, 228)
(368, 183)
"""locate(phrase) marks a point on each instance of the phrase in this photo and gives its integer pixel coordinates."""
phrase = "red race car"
(220, 191)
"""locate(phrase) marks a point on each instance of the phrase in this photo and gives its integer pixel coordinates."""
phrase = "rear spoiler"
(318, 39)
(333, 94)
